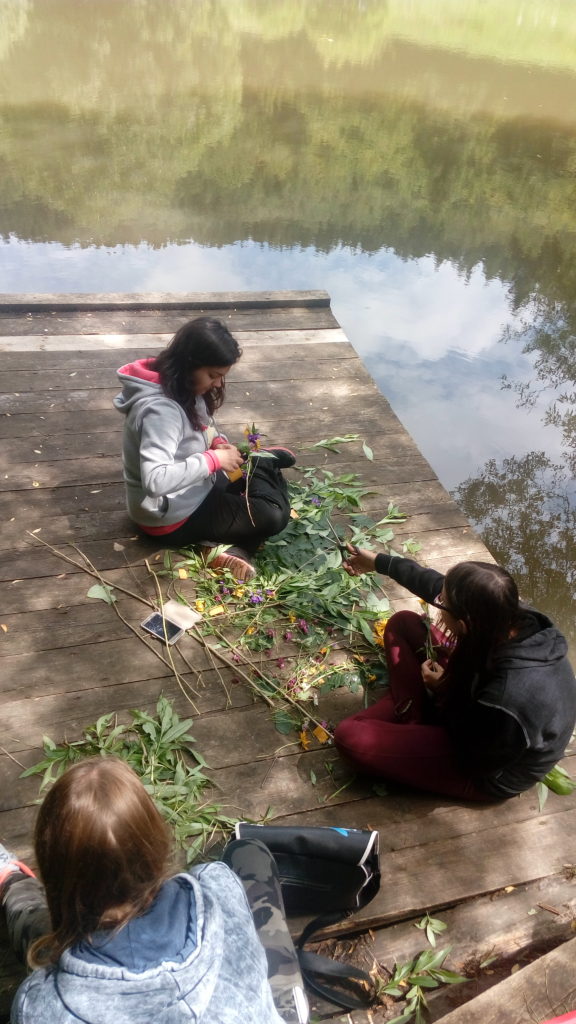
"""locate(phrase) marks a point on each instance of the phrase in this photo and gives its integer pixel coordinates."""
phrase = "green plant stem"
(263, 676)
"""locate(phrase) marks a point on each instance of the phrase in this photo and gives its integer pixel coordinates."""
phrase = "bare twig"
(12, 758)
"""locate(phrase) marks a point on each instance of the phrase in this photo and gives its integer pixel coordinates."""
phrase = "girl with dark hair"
(480, 706)
(113, 936)
(176, 461)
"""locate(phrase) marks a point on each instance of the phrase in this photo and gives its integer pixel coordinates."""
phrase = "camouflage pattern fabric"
(252, 861)
(27, 916)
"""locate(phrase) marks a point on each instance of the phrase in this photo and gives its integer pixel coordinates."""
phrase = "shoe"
(284, 458)
(9, 865)
(237, 561)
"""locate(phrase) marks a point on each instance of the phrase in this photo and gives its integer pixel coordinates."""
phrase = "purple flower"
(292, 684)
(303, 626)
(288, 635)
(256, 599)
(314, 500)
(236, 657)
(270, 592)
(281, 662)
(252, 438)
(224, 589)
(270, 632)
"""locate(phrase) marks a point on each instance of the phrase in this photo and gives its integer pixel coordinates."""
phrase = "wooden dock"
(500, 875)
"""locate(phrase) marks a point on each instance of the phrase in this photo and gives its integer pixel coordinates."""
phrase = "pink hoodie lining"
(142, 369)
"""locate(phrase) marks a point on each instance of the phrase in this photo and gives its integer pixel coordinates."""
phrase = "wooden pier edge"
(78, 302)
(60, 443)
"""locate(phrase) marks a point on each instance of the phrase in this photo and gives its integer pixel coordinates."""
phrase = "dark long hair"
(204, 341)
(103, 851)
(485, 598)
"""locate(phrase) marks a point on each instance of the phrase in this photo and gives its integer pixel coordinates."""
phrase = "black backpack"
(331, 872)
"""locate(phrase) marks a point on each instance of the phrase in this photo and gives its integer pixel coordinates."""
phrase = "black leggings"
(227, 516)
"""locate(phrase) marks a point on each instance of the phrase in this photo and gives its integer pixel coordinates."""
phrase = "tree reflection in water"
(525, 509)
(551, 338)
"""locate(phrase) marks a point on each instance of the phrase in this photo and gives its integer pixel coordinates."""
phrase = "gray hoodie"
(168, 466)
(221, 980)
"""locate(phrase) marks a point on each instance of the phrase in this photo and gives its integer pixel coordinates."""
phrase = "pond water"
(417, 160)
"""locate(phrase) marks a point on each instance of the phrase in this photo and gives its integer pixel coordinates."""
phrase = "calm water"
(417, 160)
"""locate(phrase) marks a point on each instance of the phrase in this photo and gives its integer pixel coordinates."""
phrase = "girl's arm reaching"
(424, 583)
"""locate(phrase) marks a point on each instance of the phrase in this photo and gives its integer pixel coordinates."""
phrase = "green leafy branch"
(410, 981)
(331, 444)
(160, 750)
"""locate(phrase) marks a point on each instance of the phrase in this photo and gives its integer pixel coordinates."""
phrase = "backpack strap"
(315, 967)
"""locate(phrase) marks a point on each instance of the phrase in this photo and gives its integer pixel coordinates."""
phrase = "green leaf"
(284, 721)
(449, 977)
(406, 1016)
(313, 778)
(102, 592)
(559, 781)
(422, 981)
(364, 628)
(368, 451)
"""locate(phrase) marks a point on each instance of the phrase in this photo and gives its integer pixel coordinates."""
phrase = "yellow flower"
(250, 630)
(379, 641)
(239, 592)
(199, 605)
(371, 679)
(217, 609)
(321, 734)
(323, 650)
(291, 617)
(380, 627)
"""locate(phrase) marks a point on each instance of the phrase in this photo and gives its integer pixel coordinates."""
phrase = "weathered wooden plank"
(400, 467)
(419, 501)
(68, 588)
(57, 302)
(286, 366)
(437, 874)
(63, 445)
(99, 417)
(80, 351)
(35, 561)
(67, 670)
(63, 500)
(90, 621)
(496, 926)
(310, 394)
(76, 701)
(166, 321)
(543, 989)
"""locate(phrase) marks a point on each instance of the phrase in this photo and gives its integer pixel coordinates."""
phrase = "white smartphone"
(162, 628)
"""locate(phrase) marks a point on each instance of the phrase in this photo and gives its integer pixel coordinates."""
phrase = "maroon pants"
(397, 738)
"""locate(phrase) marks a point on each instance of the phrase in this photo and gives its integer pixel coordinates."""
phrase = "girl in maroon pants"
(491, 713)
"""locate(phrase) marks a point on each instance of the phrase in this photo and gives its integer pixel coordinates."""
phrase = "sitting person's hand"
(229, 457)
(358, 561)
(432, 673)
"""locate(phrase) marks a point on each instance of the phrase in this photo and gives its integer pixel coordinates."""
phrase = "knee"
(402, 622)
(346, 735)
(405, 625)
(276, 519)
